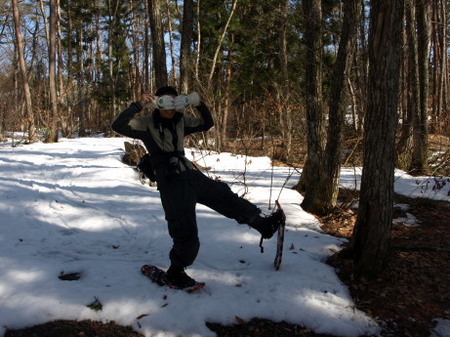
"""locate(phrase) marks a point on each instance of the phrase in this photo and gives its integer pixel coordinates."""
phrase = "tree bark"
(173, 71)
(285, 111)
(147, 71)
(81, 89)
(440, 117)
(63, 112)
(29, 116)
(199, 42)
(222, 130)
(410, 111)
(419, 160)
(372, 233)
(186, 40)
(159, 50)
(330, 184)
(52, 133)
(313, 170)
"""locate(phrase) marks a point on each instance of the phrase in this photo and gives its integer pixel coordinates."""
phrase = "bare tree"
(223, 120)
(372, 232)
(199, 40)
(330, 182)
(313, 169)
(284, 95)
(147, 85)
(413, 144)
(419, 160)
(173, 71)
(159, 50)
(440, 110)
(410, 89)
(29, 116)
(186, 40)
(52, 133)
(59, 52)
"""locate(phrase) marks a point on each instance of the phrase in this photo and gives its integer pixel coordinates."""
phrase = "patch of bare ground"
(414, 289)
(71, 328)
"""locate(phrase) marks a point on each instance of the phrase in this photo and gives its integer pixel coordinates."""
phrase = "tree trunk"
(173, 71)
(440, 118)
(186, 40)
(136, 78)
(147, 77)
(199, 42)
(159, 50)
(313, 170)
(285, 111)
(419, 160)
(372, 232)
(44, 18)
(222, 132)
(361, 66)
(81, 88)
(62, 111)
(29, 116)
(410, 111)
(69, 124)
(404, 144)
(330, 184)
(52, 133)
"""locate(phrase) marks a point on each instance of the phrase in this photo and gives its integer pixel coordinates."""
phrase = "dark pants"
(179, 197)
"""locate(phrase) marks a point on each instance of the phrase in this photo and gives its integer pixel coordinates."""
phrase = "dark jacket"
(163, 138)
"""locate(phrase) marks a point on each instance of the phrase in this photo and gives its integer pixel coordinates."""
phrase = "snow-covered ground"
(74, 207)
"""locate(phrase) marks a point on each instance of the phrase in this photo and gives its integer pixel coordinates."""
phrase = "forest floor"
(413, 290)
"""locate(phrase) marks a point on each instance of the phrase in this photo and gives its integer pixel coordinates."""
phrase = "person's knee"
(183, 228)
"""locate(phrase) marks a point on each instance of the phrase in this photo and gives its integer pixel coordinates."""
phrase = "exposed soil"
(67, 328)
(412, 291)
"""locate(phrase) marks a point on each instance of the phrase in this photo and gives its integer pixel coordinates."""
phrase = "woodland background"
(292, 79)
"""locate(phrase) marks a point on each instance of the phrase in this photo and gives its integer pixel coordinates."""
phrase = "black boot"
(267, 226)
(177, 278)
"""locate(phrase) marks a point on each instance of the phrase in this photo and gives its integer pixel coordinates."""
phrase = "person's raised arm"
(121, 123)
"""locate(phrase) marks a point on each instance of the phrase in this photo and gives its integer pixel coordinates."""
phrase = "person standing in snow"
(181, 186)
